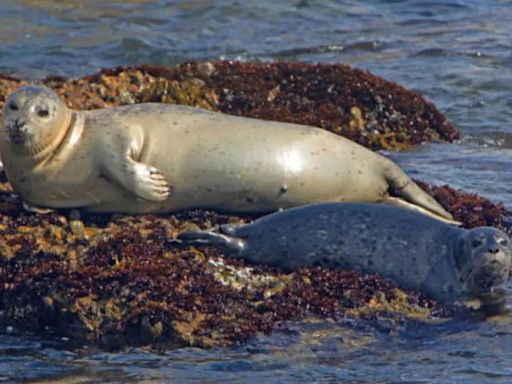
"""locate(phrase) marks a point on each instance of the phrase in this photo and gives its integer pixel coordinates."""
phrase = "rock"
(115, 280)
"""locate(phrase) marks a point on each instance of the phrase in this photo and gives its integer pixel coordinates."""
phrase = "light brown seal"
(156, 157)
(416, 251)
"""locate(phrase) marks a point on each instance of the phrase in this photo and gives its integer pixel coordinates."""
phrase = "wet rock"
(116, 280)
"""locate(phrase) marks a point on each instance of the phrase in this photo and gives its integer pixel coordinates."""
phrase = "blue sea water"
(458, 53)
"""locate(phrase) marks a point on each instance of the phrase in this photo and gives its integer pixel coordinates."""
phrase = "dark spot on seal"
(249, 200)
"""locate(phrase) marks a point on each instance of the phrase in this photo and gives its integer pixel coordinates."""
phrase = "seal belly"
(242, 164)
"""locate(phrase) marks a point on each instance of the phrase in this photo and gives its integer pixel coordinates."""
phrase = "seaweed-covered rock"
(121, 280)
(354, 103)
(125, 282)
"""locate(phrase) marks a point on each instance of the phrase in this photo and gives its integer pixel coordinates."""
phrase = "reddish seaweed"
(122, 281)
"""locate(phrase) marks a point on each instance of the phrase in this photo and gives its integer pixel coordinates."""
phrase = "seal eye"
(13, 106)
(503, 242)
(43, 113)
(476, 243)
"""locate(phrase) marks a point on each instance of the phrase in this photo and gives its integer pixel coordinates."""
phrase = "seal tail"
(234, 246)
(411, 196)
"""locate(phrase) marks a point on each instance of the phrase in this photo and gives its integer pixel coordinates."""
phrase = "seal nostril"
(18, 124)
(43, 113)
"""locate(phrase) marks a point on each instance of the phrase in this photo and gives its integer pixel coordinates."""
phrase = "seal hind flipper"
(233, 245)
(399, 202)
(415, 198)
(233, 230)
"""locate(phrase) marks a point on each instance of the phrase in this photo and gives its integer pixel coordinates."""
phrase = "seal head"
(484, 259)
(34, 118)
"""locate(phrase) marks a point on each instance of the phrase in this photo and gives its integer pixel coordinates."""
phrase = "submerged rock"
(121, 280)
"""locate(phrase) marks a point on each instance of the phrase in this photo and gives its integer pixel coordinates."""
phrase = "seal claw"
(150, 184)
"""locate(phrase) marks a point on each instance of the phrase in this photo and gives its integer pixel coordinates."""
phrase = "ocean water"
(458, 53)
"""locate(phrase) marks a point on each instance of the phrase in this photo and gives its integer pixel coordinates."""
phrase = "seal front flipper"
(143, 180)
(415, 198)
(234, 246)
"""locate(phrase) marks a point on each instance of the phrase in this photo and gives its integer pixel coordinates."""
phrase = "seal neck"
(70, 135)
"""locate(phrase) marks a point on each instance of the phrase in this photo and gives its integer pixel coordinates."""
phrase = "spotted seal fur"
(417, 252)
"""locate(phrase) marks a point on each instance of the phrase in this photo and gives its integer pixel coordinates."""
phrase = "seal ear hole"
(13, 106)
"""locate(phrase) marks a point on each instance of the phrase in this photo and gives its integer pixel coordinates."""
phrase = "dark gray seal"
(415, 251)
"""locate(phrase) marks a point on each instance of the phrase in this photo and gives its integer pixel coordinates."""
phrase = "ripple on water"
(421, 352)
